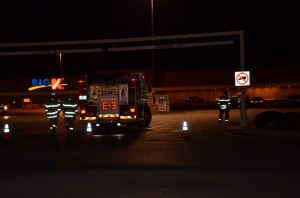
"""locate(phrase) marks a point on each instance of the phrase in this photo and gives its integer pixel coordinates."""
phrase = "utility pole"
(153, 73)
(61, 72)
(243, 110)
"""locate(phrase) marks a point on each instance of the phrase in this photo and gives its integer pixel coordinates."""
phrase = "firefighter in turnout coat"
(70, 111)
(224, 103)
(52, 109)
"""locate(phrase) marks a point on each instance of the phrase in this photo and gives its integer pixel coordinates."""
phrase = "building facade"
(270, 83)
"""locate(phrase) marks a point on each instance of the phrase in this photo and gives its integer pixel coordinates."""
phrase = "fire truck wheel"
(147, 119)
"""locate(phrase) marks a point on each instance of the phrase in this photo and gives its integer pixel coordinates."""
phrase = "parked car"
(294, 100)
(194, 99)
(3, 109)
(257, 101)
(236, 101)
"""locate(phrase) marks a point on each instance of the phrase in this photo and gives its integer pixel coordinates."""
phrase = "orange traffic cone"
(185, 132)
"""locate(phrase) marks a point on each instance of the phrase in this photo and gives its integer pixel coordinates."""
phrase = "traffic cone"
(185, 132)
(6, 128)
(184, 126)
(89, 127)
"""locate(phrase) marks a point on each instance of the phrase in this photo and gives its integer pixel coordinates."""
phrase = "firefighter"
(70, 111)
(224, 103)
(52, 109)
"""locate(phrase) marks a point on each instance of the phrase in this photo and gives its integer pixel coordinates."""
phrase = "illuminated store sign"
(55, 83)
(40, 82)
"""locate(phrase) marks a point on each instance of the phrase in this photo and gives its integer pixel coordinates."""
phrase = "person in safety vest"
(224, 103)
(52, 109)
(70, 111)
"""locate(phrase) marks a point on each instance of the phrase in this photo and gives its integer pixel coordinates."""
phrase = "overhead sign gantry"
(114, 45)
(131, 44)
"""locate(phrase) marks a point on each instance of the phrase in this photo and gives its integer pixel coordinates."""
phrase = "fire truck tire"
(147, 119)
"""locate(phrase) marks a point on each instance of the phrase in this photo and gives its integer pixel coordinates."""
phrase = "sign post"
(243, 111)
(242, 79)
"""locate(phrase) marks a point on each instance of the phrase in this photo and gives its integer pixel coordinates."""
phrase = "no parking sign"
(242, 78)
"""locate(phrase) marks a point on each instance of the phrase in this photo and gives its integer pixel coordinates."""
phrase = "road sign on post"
(242, 78)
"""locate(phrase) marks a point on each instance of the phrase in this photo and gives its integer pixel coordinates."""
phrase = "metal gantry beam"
(119, 40)
(44, 52)
(117, 49)
(60, 44)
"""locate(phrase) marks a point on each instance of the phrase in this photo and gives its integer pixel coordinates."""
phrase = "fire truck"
(114, 100)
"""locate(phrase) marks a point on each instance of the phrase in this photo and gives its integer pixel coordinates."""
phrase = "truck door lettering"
(113, 106)
(104, 106)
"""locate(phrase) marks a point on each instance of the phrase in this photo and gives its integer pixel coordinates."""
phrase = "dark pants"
(226, 115)
(53, 124)
(70, 123)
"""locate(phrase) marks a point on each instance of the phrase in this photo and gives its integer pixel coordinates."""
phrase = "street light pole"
(60, 64)
(61, 72)
(152, 21)
(243, 110)
(152, 43)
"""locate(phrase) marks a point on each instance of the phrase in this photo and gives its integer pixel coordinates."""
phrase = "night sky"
(271, 32)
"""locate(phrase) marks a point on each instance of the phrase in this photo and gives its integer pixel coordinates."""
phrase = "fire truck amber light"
(132, 110)
(82, 111)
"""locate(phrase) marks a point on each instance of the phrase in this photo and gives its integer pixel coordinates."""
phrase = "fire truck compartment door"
(108, 106)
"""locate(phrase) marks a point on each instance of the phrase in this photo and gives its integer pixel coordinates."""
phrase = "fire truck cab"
(114, 100)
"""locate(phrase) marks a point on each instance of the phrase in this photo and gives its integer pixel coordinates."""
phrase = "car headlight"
(5, 107)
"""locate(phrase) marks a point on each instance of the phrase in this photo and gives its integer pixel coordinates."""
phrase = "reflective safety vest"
(70, 109)
(52, 109)
(224, 102)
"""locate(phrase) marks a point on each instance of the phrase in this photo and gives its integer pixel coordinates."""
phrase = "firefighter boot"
(53, 129)
(68, 128)
(220, 122)
(227, 124)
